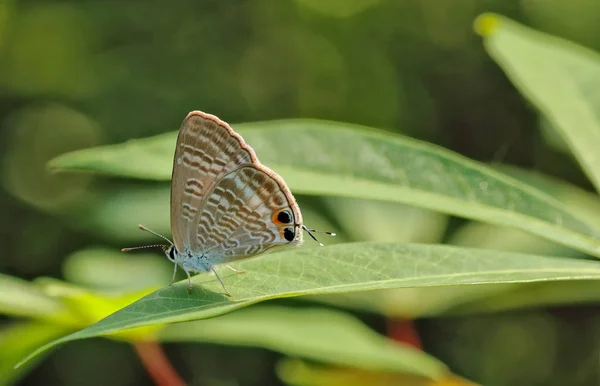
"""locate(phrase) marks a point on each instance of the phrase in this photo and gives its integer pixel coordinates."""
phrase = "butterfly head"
(170, 251)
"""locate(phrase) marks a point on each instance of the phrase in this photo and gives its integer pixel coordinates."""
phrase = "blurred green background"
(75, 74)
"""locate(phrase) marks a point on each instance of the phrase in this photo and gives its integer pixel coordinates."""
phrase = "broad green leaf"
(434, 301)
(367, 220)
(560, 78)
(18, 340)
(327, 158)
(338, 268)
(317, 334)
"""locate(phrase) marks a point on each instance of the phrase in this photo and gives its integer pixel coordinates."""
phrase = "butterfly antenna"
(155, 234)
(318, 231)
(143, 247)
(310, 233)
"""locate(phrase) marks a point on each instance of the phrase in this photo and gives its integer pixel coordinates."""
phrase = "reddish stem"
(403, 330)
(157, 364)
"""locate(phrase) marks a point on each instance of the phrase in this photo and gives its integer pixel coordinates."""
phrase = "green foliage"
(339, 269)
(317, 334)
(18, 340)
(534, 240)
(352, 161)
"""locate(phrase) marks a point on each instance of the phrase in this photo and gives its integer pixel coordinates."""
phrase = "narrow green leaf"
(368, 220)
(560, 78)
(479, 235)
(326, 158)
(582, 203)
(318, 334)
(296, 372)
(416, 302)
(23, 299)
(109, 269)
(519, 296)
(338, 268)
(148, 158)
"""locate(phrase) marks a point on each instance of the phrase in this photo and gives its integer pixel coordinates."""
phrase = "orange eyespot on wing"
(283, 217)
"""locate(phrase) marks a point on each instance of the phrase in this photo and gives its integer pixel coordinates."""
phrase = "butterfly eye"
(288, 234)
(284, 217)
(171, 252)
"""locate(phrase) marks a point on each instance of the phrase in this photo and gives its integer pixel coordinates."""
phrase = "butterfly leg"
(220, 281)
(174, 273)
(189, 281)
(235, 270)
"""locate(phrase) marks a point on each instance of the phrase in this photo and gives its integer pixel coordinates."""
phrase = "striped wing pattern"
(205, 152)
(237, 220)
(222, 198)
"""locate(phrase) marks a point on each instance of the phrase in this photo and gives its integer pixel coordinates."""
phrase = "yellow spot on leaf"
(486, 23)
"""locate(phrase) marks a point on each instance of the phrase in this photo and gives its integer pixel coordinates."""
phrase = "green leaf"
(330, 158)
(338, 268)
(17, 341)
(519, 296)
(368, 220)
(148, 158)
(295, 372)
(478, 235)
(410, 303)
(318, 334)
(114, 212)
(582, 203)
(23, 299)
(88, 306)
(515, 296)
(106, 269)
(560, 78)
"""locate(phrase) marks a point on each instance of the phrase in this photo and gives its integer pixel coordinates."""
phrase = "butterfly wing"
(250, 210)
(207, 149)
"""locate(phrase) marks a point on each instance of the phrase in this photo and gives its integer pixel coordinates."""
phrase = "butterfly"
(225, 205)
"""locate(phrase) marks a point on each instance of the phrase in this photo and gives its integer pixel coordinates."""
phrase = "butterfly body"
(191, 262)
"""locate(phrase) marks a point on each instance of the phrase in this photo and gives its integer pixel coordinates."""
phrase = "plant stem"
(403, 330)
(157, 364)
